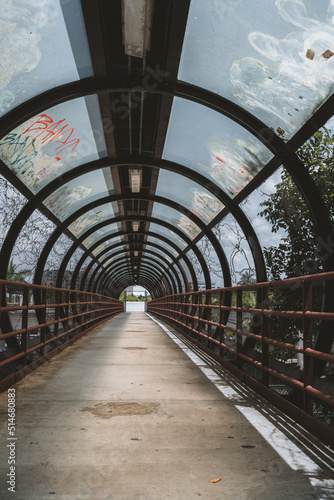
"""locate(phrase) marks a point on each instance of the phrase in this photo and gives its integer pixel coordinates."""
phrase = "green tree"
(286, 209)
(247, 277)
(299, 252)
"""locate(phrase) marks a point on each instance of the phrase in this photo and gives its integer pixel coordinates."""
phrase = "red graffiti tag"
(220, 159)
(50, 131)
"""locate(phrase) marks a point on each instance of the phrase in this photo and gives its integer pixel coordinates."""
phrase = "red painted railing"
(31, 333)
(291, 374)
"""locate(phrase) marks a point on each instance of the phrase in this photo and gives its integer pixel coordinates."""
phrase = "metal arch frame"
(159, 237)
(158, 199)
(96, 260)
(173, 283)
(178, 232)
(149, 285)
(213, 101)
(275, 144)
(155, 276)
(121, 252)
(118, 269)
(113, 266)
(156, 289)
(155, 292)
(153, 269)
(158, 281)
(148, 276)
(128, 259)
(45, 252)
(91, 166)
(129, 83)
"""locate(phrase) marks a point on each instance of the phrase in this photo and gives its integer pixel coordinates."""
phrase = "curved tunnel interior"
(147, 126)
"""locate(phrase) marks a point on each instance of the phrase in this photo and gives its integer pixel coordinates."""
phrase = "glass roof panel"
(106, 244)
(111, 253)
(119, 258)
(158, 251)
(164, 231)
(189, 194)
(111, 259)
(271, 58)
(79, 192)
(176, 218)
(53, 142)
(91, 218)
(152, 239)
(213, 145)
(38, 38)
(154, 259)
(100, 233)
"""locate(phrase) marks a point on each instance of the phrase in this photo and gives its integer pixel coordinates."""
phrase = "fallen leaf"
(216, 480)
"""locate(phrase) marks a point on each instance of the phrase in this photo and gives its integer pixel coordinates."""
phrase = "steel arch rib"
(159, 237)
(154, 270)
(97, 85)
(91, 166)
(114, 266)
(210, 235)
(128, 83)
(140, 218)
(121, 252)
(100, 255)
(148, 276)
(108, 269)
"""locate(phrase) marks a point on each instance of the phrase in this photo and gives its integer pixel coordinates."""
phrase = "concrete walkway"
(124, 413)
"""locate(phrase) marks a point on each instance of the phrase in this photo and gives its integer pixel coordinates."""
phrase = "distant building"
(80, 276)
(49, 278)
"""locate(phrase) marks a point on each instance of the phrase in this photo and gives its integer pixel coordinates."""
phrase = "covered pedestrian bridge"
(141, 142)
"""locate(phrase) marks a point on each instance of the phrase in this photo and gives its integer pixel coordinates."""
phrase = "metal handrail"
(191, 313)
(63, 316)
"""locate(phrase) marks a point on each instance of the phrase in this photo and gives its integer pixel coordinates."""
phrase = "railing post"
(181, 310)
(24, 337)
(264, 334)
(239, 327)
(83, 308)
(56, 315)
(209, 317)
(193, 313)
(43, 318)
(173, 299)
(66, 311)
(307, 344)
(222, 316)
(200, 316)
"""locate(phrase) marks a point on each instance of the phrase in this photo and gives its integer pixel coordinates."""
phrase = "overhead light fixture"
(135, 177)
(137, 19)
(135, 225)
